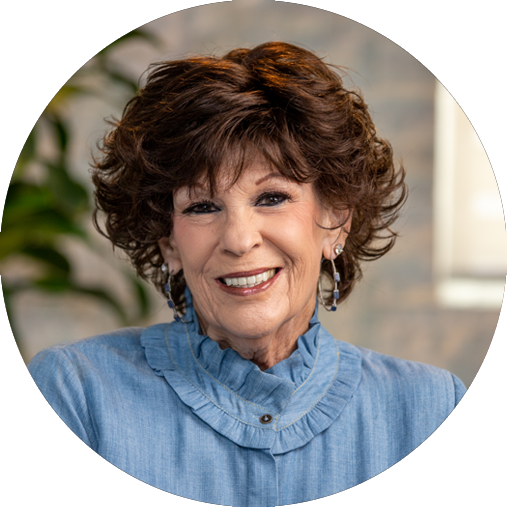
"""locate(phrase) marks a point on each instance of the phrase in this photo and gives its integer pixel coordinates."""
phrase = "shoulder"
(115, 343)
(81, 358)
(408, 376)
(403, 398)
(397, 403)
(400, 380)
(87, 381)
(58, 409)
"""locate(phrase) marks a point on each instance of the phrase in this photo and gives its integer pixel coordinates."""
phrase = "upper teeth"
(250, 281)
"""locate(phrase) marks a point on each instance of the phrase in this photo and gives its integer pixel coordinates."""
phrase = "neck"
(265, 351)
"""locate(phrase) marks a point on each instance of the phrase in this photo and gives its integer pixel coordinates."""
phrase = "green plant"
(40, 211)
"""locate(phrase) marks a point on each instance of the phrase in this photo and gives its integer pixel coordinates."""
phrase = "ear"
(171, 254)
(334, 237)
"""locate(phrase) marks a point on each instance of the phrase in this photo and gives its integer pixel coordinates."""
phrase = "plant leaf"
(61, 131)
(66, 191)
(49, 256)
(24, 199)
(41, 228)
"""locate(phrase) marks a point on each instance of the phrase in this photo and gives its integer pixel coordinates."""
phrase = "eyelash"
(194, 208)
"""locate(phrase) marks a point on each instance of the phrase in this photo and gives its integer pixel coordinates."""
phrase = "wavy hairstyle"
(283, 101)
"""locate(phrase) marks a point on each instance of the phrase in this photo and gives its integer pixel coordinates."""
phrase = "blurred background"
(435, 298)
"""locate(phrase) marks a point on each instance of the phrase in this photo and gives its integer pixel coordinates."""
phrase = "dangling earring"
(170, 302)
(336, 278)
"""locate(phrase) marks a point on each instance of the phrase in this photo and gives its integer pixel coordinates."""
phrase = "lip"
(238, 274)
(248, 291)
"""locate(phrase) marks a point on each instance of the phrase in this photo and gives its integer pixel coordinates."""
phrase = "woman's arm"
(45, 463)
(469, 476)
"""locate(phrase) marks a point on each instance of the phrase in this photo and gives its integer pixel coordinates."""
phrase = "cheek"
(301, 239)
(194, 245)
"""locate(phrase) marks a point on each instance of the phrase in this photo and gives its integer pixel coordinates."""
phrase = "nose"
(240, 233)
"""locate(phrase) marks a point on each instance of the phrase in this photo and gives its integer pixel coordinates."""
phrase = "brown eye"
(282, 197)
(202, 208)
(195, 207)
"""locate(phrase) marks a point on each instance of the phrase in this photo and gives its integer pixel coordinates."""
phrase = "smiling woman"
(256, 286)
(203, 120)
(236, 184)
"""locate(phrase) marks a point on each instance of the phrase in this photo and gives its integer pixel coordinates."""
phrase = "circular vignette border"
(406, 51)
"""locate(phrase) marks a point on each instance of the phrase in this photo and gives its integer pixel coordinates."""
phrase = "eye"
(193, 208)
(281, 196)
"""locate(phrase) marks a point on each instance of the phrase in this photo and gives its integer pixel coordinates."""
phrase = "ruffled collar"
(301, 396)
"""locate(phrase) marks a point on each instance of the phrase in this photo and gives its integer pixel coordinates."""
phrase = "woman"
(240, 186)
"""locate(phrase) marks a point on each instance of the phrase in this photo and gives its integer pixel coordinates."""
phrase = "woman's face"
(251, 254)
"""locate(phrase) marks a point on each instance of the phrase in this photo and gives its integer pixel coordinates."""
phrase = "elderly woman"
(247, 188)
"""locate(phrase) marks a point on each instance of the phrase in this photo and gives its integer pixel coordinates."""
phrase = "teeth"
(250, 281)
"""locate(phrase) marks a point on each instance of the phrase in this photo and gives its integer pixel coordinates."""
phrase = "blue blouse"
(168, 406)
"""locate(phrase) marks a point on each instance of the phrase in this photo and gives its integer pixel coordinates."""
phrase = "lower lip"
(249, 291)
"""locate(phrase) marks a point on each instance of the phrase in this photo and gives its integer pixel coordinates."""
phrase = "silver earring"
(336, 278)
(170, 302)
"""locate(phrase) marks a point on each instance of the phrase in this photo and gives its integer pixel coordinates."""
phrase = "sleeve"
(48, 458)
(469, 476)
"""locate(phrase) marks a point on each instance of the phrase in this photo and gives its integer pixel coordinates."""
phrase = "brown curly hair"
(282, 100)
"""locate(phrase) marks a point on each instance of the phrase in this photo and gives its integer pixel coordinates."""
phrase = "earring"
(336, 278)
(170, 302)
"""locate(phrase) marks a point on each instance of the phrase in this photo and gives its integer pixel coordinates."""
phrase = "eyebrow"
(269, 176)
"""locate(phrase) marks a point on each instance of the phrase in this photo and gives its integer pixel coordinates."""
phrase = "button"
(266, 418)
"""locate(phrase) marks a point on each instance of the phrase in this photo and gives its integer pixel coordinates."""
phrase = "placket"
(262, 480)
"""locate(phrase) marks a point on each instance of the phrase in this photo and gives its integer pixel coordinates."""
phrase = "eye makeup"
(285, 196)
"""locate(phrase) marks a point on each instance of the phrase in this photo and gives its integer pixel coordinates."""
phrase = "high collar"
(303, 394)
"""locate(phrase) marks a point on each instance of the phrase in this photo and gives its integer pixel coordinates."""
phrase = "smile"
(248, 283)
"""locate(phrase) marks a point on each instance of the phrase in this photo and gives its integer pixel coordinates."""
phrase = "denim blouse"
(168, 406)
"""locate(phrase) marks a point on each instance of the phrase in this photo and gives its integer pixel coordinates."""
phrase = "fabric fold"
(303, 394)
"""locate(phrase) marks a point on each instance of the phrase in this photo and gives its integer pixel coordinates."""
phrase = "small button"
(266, 418)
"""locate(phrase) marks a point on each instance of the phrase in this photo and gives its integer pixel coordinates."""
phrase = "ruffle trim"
(232, 394)
(229, 368)
(327, 409)
(239, 421)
